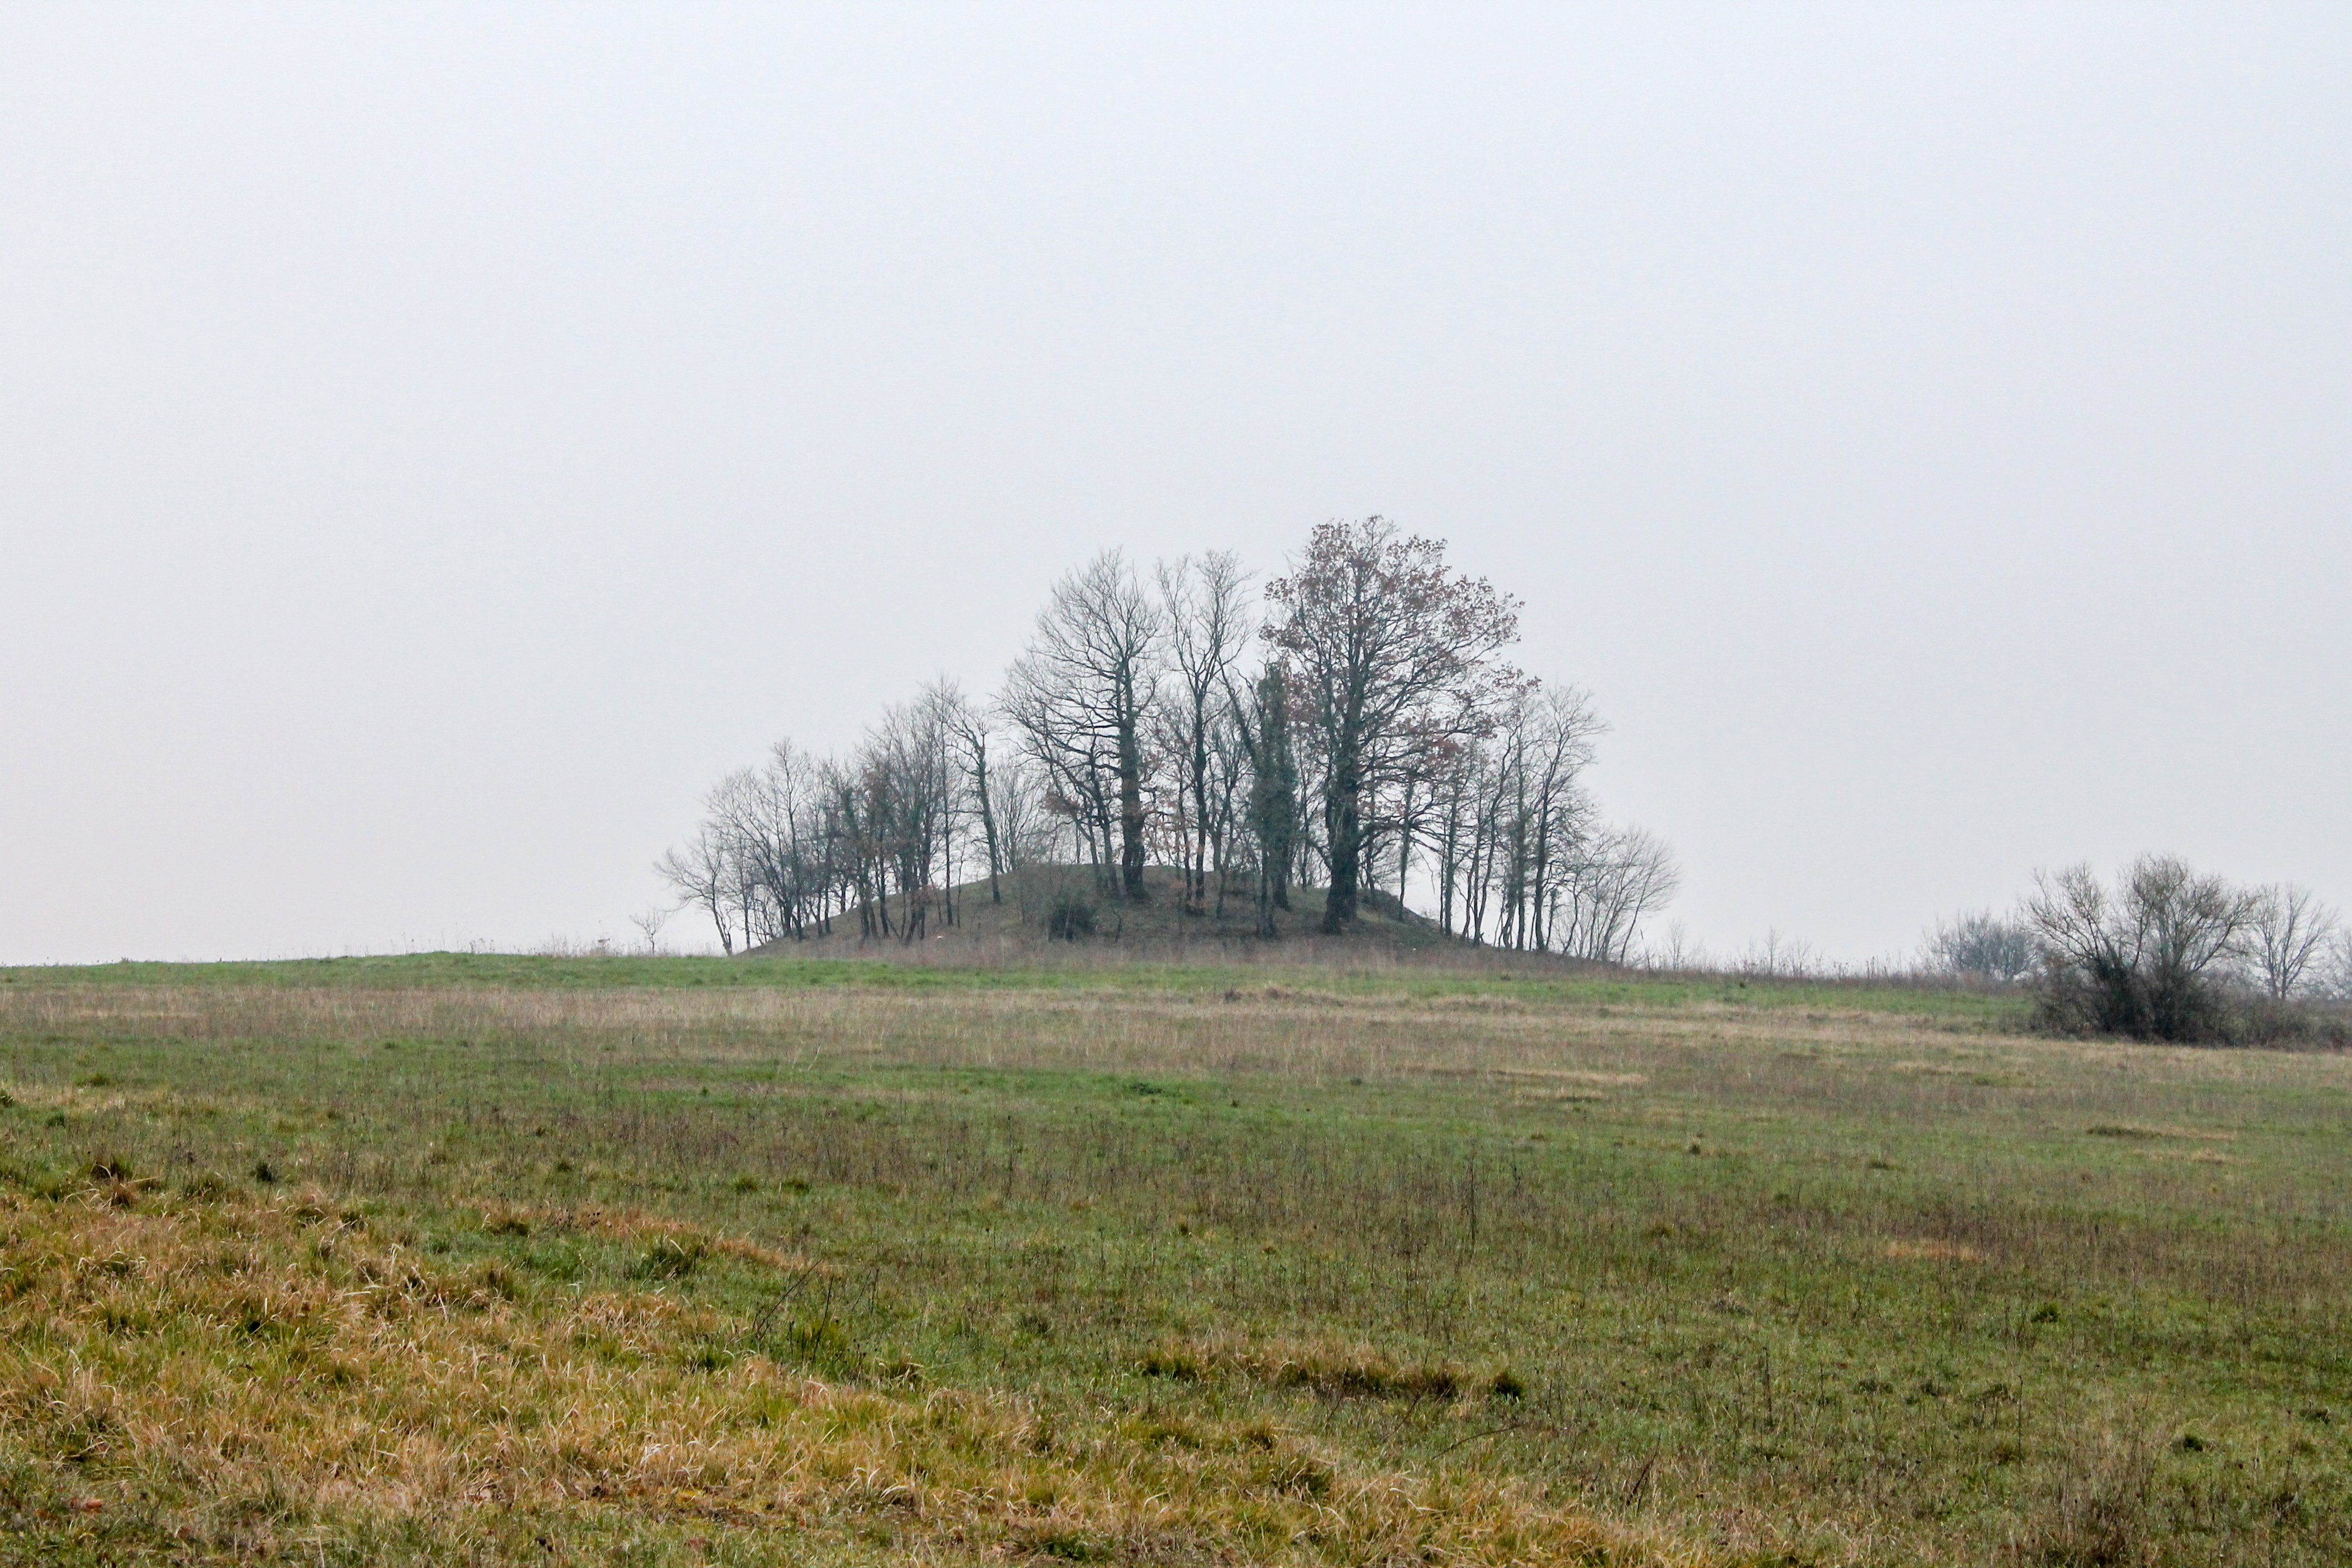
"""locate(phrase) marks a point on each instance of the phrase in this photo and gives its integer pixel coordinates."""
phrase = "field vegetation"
(675, 1260)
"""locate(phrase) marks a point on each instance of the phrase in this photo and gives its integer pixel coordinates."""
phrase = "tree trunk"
(1345, 830)
(1404, 845)
(1130, 806)
(987, 821)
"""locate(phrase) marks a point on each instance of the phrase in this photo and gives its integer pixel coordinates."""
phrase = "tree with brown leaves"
(1396, 652)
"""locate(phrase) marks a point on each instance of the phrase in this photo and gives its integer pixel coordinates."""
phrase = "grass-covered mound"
(1059, 906)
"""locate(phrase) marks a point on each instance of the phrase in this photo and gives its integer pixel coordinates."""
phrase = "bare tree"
(1026, 831)
(1207, 626)
(730, 816)
(1076, 770)
(1557, 840)
(1616, 878)
(857, 809)
(2289, 928)
(1517, 840)
(649, 923)
(702, 874)
(914, 795)
(2336, 980)
(1080, 691)
(770, 818)
(1676, 950)
(967, 728)
(1780, 955)
(1395, 651)
(2143, 960)
(1230, 777)
(1984, 943)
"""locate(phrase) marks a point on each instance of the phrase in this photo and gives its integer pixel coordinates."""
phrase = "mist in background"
(435, 444)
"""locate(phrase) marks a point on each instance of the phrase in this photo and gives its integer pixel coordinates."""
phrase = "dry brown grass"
(1334, 1369)
(258, 1373)
(1935, 1251)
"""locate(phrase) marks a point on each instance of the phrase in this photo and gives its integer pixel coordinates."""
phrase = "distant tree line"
(1354, 728)
(2161, 952)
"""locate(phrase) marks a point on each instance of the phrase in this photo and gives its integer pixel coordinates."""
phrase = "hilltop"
(1022, 919)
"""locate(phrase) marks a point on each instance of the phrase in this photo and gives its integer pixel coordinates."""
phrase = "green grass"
(1761, 1274)
(1091, 969)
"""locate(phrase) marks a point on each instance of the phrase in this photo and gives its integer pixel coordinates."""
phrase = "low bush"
(1070, 918)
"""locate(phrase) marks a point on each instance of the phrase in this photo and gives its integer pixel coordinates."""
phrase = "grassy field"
(501, 1260)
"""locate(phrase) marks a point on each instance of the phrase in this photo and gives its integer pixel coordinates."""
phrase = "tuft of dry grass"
(1334, 1369)
(1936, 1251)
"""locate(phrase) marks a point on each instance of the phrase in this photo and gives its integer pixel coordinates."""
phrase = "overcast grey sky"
(435, 443)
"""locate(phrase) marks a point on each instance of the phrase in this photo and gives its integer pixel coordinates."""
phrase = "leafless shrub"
(1072, 918)
(561, 946)
(2147, 958)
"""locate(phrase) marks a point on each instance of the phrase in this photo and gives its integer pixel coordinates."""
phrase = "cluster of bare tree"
(882, 835)
(1982, 945)
(1517, 854)
(2162, 952)
(1375, 745)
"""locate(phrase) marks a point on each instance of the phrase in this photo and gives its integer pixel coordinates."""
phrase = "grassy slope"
(1164, 1264)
